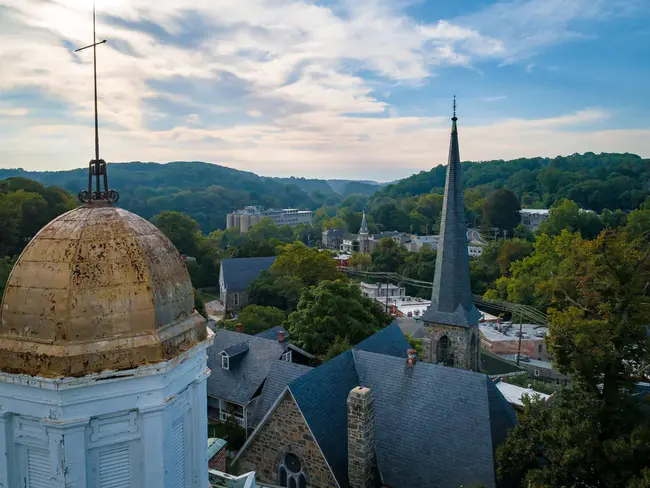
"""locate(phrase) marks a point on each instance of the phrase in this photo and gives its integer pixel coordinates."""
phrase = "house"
(532, 217)
(242, 365)
(366, 419)
(381, 290)
(515, 394)
(540, 370)
(235, 276)
(503, 338)
(342, 260)
(332, 238)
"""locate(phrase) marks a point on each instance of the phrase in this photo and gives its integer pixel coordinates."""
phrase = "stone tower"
(451, 335)
(364, 237)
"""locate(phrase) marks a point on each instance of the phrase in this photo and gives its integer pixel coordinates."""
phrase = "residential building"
(248, 372)
(514, 394)
(417, 243)
(102, 358)
(532, 217)
(369, 417)
(332, 238)
(503, 338)
(451, 334)
(342, 260)
(381, 290)
(365, 242)
(541, 370)
(247, 217)
(405, 306)
(235, 276)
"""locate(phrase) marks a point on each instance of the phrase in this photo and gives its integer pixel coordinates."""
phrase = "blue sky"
(338, 89)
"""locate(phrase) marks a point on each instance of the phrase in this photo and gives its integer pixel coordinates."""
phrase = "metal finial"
(97, 166)
(454, 105)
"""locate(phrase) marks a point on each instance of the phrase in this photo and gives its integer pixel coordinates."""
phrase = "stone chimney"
(361, 438)
(240, 328)
(281, 336)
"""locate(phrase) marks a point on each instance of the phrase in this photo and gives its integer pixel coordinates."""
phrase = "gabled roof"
(273, 332)
(238, 273)
(241, 381)
(279, 376)
(451, 297)
(236, 349)
(389, 340)
(435, 426)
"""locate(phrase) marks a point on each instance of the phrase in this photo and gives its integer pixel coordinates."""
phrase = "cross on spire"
(97, 166)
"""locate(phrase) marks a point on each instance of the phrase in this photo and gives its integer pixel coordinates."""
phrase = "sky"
(356, 89)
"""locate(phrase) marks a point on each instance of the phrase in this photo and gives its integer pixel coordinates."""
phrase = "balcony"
(225, 417)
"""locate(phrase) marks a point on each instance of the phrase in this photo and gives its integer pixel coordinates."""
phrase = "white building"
(532, 217)
(102, 359)
(247, 217)
(417, 243)
(381, 290)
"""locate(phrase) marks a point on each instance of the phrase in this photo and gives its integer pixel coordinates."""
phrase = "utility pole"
(519, 347)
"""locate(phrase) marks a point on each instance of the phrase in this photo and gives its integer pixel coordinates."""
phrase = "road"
(473, 235)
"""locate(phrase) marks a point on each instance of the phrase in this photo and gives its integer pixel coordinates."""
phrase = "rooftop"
(239, 273)
(539, 211)
(514, 394)
(507, 331)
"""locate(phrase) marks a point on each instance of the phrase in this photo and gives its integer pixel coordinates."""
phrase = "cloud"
(493, 99)
(274, 86)
(13, 112)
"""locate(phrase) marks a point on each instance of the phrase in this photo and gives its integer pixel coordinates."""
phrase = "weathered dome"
(98, 288)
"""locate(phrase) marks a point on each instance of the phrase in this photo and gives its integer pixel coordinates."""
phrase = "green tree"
(6, 265)
(183, 231)
(596, 433)
(568, 215)
(360, 260)
(199, 302)
(340, 345)
(388, 256)
(257, 318)
(502, 210)
(419, 266)
(334, 309)
(513, 250)
(309, 265)
(276, 290)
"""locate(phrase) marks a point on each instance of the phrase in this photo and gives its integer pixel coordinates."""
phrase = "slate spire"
(364, 225)
(451, 298)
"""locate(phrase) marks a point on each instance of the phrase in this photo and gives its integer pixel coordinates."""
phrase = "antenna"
(97, 166)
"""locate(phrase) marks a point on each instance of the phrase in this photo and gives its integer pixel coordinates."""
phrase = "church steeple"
(451, 299)
(364, 225)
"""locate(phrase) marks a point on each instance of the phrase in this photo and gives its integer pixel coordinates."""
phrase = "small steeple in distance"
(451, 298)
(364, 225)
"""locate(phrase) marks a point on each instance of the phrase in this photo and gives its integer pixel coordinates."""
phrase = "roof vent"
(240, 328)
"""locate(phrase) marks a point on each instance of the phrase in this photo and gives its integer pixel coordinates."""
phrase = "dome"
(98, 288)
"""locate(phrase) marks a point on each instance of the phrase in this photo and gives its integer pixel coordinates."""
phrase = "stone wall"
(286, 431)
(361, 438)
(459, 338)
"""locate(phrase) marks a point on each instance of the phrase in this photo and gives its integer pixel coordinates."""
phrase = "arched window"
(290, 472)
(473, 353)
(444, 352)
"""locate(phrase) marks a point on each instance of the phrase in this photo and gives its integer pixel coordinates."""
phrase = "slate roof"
(272, 333)
(236, 349)
(238, 273)
(279, 376)
(388, 340)
(451, 297)
(239, 384)
(435, 426)
(364, 225)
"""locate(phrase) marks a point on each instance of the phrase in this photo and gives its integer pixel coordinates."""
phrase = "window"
(537, 372)
(235, 299)
(225, 361)
(444, 352)
(290, 473)
(557, 381)
(287, 356)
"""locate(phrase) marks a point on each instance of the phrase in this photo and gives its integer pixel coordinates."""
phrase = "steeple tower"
(364, 225)
(364, 237)
(452, 313)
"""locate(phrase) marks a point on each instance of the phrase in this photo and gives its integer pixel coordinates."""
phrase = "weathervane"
(96, 167)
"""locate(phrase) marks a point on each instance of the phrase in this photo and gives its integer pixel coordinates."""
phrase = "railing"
(224, 417)
(518, 311)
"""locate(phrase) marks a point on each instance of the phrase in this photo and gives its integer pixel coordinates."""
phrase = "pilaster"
(199, 400)
(153, 421)
(5, 436)
(66, 441)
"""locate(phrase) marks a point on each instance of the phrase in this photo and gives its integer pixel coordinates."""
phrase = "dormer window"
(225, 361)
(287, 356)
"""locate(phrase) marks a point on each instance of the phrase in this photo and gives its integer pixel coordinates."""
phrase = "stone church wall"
(286, 431)
(459, 339)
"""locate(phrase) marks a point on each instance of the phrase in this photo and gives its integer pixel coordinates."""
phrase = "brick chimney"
(281, 336)
(240, 328)
(361, 438)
